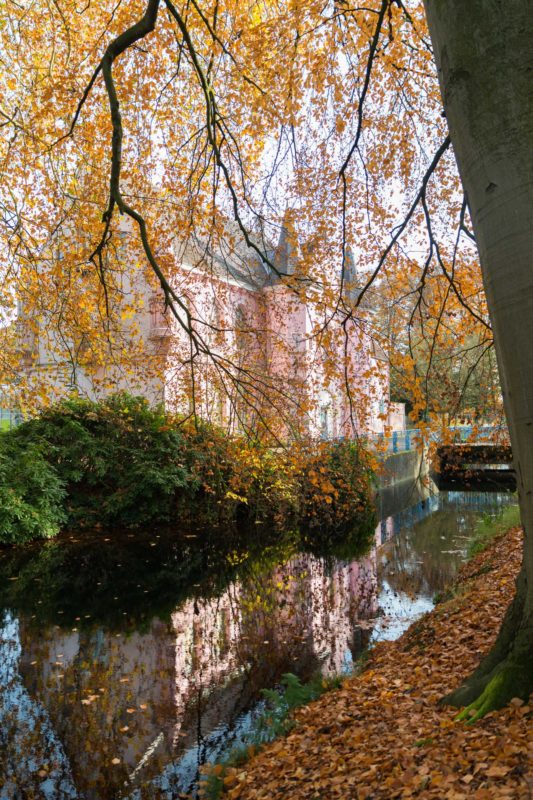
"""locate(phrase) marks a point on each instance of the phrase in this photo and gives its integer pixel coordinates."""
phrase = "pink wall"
(277, 343)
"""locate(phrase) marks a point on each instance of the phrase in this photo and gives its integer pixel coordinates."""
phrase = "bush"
(336, 502)
(119, 459)
(31, 495)
(266, 481)
(273, 723)
(121, 463)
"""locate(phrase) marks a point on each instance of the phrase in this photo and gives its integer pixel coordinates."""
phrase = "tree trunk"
(484, 55)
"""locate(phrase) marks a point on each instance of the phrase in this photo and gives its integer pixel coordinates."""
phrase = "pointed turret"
(286, 255)
(350, 289)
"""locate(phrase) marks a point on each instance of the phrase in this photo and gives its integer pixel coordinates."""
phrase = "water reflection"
(127, 665)
(28, 740)
(421, 550)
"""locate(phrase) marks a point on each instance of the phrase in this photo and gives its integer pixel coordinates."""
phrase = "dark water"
(128, 661)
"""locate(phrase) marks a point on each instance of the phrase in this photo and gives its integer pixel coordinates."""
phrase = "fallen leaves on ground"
(382, 735)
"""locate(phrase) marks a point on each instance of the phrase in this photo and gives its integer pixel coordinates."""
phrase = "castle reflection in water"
(93, 712)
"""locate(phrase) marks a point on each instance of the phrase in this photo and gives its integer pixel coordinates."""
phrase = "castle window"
(325, 421)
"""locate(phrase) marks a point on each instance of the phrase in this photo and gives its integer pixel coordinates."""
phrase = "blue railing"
(411, 438)
(482, 434)
(397, 441)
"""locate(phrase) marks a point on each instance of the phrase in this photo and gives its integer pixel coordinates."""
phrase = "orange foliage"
(227, 108)
(382, 735)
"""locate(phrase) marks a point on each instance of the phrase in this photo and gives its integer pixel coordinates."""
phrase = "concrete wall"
(403, 482)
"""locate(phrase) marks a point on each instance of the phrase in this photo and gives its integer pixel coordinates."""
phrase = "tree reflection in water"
(33, 756)
(129, 662)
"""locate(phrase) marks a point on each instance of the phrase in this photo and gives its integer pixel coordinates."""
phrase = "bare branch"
(401, 228)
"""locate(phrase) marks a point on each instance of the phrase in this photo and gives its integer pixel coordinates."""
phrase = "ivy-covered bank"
(120, 463)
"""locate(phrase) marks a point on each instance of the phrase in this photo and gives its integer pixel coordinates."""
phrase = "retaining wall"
(403, 482)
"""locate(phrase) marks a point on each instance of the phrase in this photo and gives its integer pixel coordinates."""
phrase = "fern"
(272, 724)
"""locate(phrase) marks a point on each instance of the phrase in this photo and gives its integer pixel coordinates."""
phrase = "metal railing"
(396, 442)
(411, 438)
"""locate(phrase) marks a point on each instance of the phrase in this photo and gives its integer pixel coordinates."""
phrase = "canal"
(128, 661)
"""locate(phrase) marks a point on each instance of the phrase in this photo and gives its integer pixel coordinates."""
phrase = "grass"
(490, 527)
(274, 722)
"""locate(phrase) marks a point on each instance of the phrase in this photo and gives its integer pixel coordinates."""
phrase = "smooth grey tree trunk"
(484, 55)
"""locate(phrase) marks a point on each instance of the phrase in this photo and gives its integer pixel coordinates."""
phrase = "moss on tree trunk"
(506, 671)
(484, 55)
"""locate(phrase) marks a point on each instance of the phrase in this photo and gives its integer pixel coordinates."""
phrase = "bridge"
(485, 467)
(471, 460)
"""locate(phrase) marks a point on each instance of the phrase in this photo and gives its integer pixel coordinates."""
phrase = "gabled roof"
(234, 258)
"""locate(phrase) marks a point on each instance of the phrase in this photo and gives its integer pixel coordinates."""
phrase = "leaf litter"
(383, 736)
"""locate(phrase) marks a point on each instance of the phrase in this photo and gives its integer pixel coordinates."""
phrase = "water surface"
(126, 662)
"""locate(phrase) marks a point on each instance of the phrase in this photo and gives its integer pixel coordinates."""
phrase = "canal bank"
(130, 661)
(383, 735)
(403, 480)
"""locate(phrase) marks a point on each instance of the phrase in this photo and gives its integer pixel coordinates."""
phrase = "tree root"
(506, 671)
(511, 680)
(466, 694)
(512, 677)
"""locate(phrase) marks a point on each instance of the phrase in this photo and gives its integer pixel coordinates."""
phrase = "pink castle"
(270, 345)
(295, 352)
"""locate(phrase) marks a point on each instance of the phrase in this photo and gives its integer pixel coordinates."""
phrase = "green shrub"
(31, 494)
(265, 481)
(274, 722)
(119, 459)
(122, 463)
(336, 507)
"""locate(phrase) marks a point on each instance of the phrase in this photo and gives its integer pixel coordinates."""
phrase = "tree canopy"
(133, 133)
(130, 129)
